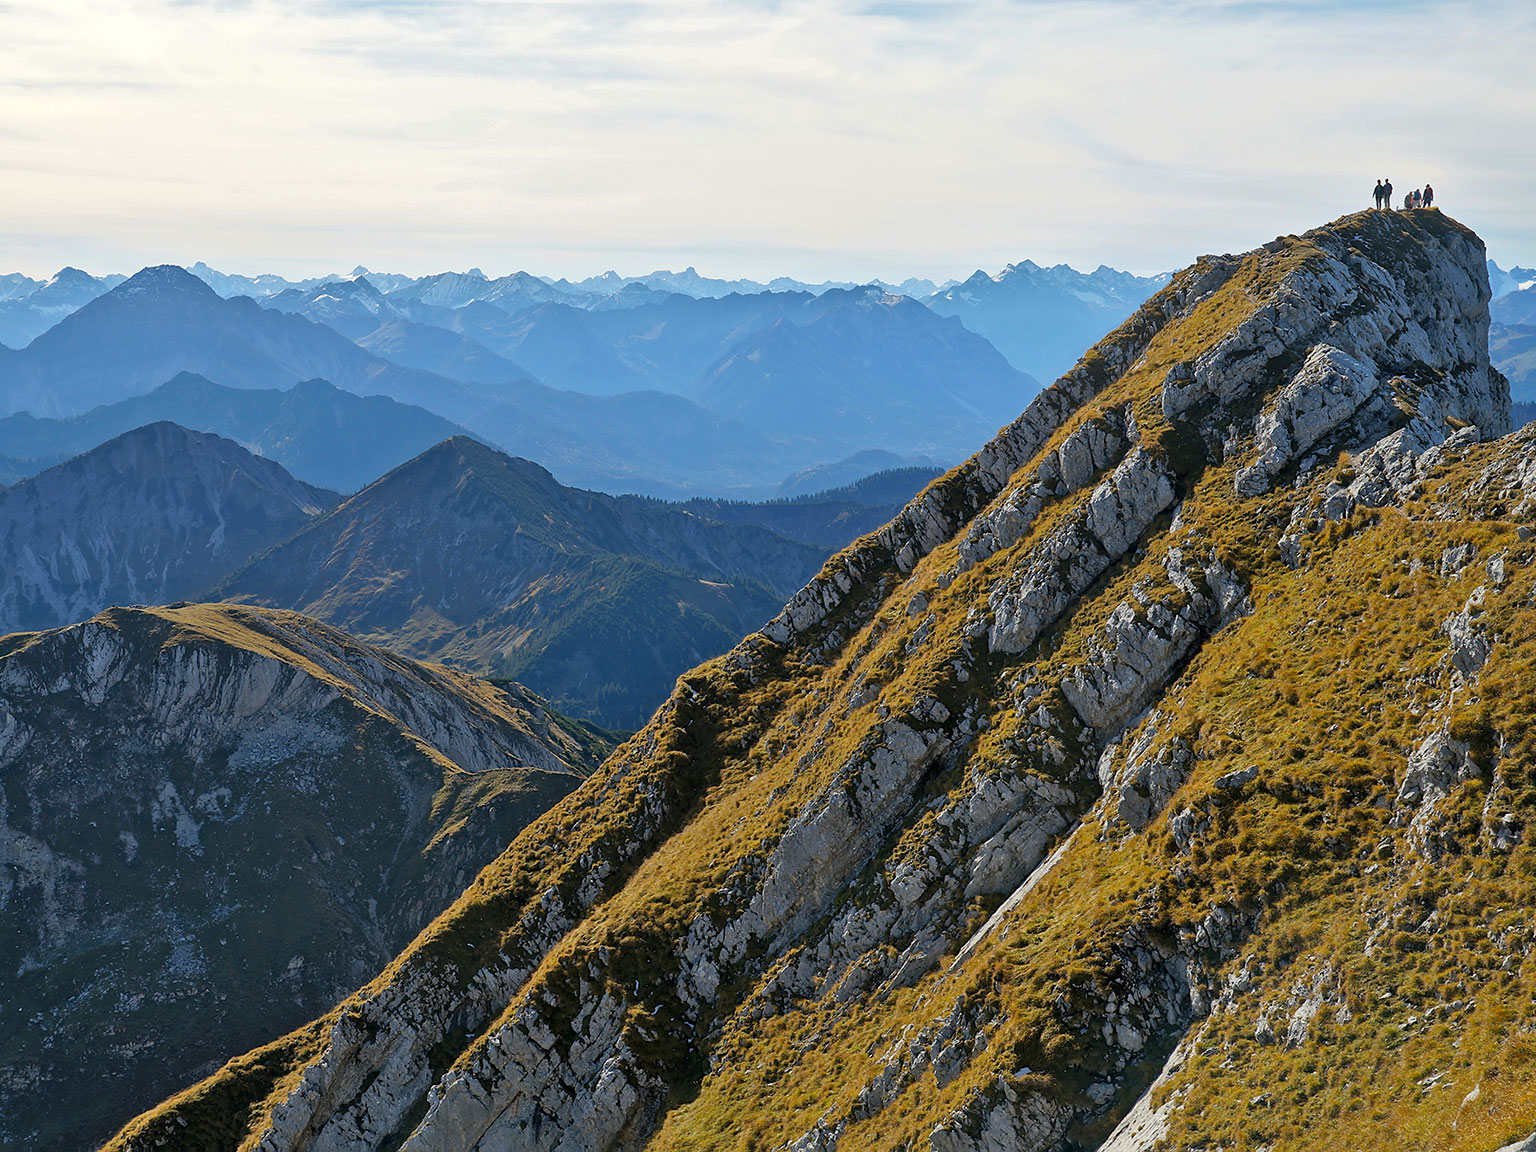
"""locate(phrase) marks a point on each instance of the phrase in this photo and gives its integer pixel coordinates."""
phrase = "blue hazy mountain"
(320, 434)
(1504, 281)
(511, 293)
(1517, 307)
(555, 342)
(872, 370)
(1042, 318)
(15, 285)
(850, 470)
(440, 351)
(164, 320)
(1512, 348)
(352, 306)
(27, 314)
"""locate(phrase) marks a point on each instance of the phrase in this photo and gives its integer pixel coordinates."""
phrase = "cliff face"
(1182, 734)
(213, 823)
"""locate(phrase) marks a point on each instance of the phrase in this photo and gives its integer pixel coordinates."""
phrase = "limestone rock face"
(1098, 766)
(214, 822)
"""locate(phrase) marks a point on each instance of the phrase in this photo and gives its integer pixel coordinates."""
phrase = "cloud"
(813, 137)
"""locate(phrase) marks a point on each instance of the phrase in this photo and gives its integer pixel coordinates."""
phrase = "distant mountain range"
(779, 382)
(164, 320)
(322, 435)
(1516, 307)
(217, 821)
(155, 515)
(28, 309)
(455, 289)
(849, 471)
(1042, 318)
(871, 369)
(487, 562)
(1513, 350)
(462, 554)
(1504, 281)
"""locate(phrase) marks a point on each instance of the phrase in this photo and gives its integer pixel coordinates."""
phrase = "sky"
(817, 139)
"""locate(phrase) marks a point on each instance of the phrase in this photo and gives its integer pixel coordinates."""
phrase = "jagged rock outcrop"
(1158, 727)
(213, 823)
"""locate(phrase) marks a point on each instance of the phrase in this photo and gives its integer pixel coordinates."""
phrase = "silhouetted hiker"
(1386, 194)
(1429, 196)
(1378, 193)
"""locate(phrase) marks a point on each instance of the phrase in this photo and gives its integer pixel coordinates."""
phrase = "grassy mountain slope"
(214, 822)
(484, 560)
(319, 433)
(1234, 618)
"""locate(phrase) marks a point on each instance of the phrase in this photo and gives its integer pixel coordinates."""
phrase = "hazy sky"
(817, 139)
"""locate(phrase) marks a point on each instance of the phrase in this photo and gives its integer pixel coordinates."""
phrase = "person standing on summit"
(1429, 196)
(1378, 193)
(1386, 193)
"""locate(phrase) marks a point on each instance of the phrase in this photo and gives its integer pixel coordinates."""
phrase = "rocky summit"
(214, 822)
(1159, 775)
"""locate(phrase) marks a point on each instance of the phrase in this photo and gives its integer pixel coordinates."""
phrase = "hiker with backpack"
(1429, 196)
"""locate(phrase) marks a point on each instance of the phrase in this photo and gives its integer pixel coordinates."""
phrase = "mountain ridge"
(804, 907)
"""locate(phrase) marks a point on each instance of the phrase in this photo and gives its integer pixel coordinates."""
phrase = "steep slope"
(155, 515)
(164, 320)
(214, 822)
(1041, 318)
(832, 896)
(872, 370)
(319, 433)
(485, 561)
